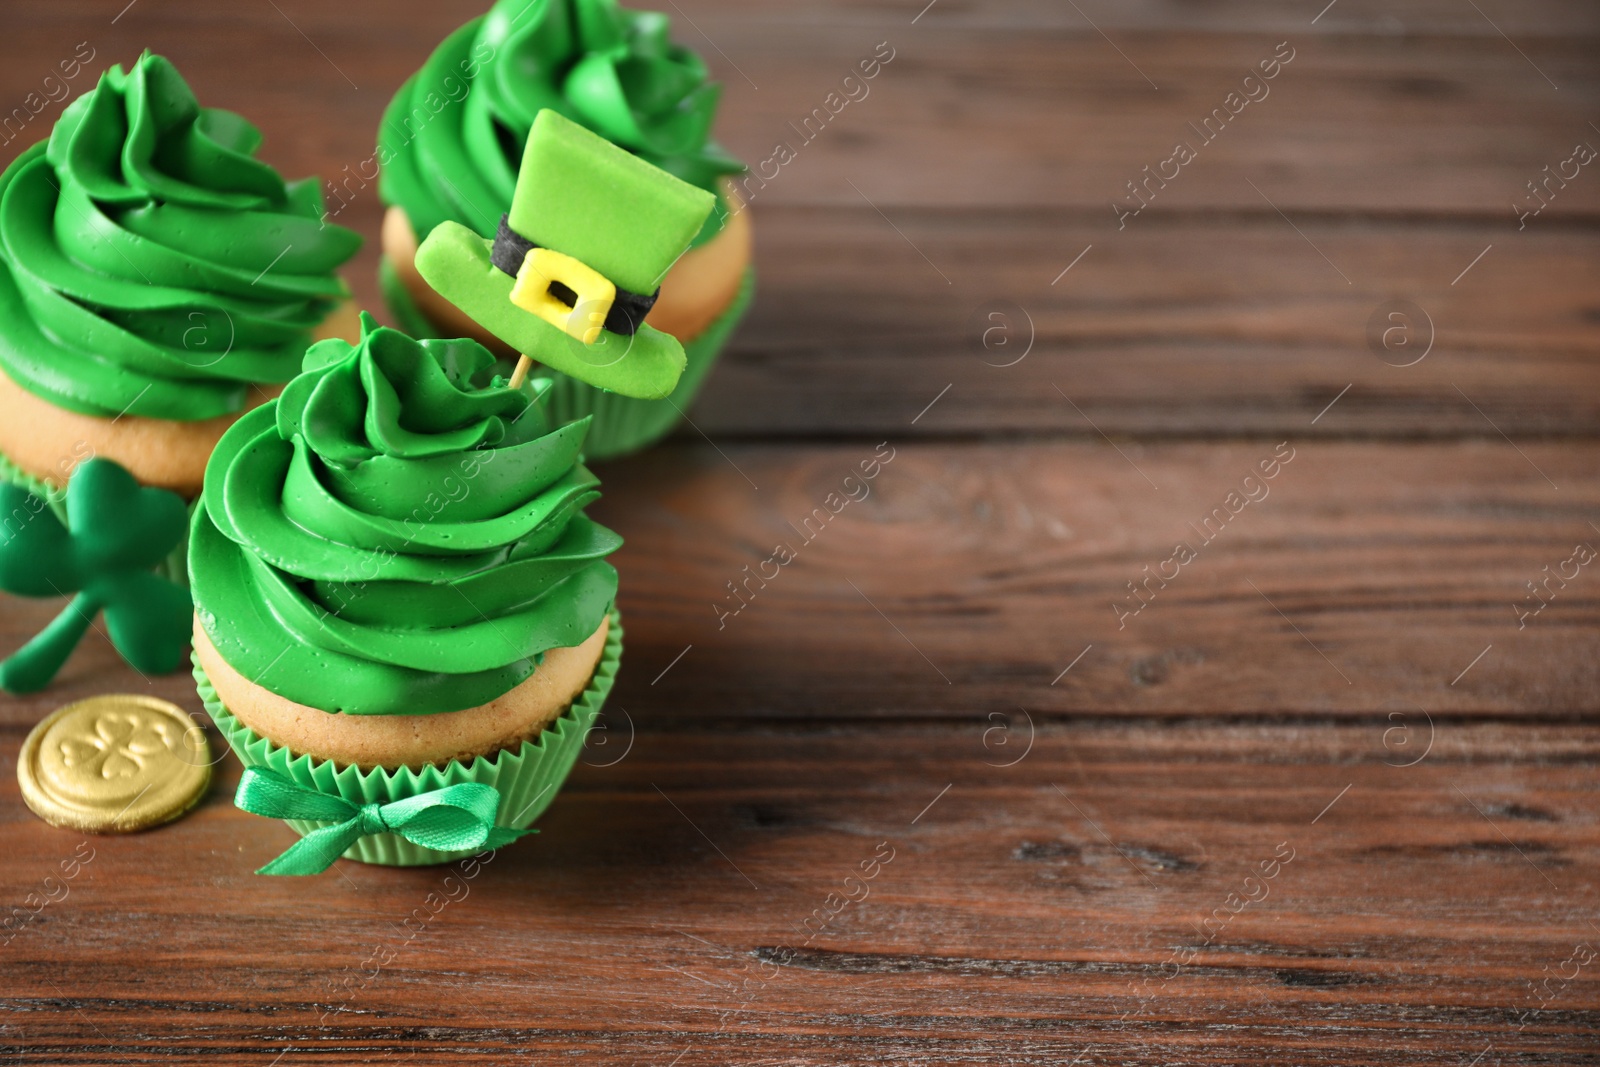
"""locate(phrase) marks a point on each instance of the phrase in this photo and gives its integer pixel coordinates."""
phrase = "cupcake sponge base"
(527, 777)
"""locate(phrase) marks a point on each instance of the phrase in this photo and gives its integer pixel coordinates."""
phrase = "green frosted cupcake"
(449, 149)
(156, 280)
(397, 593)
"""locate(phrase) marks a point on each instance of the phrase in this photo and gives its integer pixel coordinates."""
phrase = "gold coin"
(114, 764)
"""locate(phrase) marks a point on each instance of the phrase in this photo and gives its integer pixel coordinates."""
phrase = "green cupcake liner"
(621, 424)
(175, 567)
(527, 778)
(56, 498)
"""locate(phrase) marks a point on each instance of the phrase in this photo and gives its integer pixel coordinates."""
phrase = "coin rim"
(44, 804)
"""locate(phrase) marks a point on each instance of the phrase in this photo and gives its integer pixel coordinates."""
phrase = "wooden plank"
(1192, 325)
(968, 577)
(1027, 113)
(1366, 582)
(422, 20)
(1029, 118)
(974, 575)
(1539, 18)
(1085, 903)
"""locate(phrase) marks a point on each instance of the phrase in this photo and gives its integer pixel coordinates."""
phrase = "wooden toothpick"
(520, 375)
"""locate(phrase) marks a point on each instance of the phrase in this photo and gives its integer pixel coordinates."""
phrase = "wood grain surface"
(969, 781)
(1066, 906)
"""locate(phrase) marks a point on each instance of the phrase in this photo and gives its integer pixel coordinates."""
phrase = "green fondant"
(399, 532)
(587, 198)
(452, 138)
(116, 535)
(455, 262)
(149, 264)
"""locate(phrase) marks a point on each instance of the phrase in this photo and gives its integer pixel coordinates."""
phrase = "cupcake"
(156, 281)
(449, 148)
(397, 592)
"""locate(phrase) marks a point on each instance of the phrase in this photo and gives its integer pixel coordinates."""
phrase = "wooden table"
(1316, 796)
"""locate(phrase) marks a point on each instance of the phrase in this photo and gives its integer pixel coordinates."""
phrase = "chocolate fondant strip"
(628, 310)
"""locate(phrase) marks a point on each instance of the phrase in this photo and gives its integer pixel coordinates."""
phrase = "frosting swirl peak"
(150, 264)
(399, 533)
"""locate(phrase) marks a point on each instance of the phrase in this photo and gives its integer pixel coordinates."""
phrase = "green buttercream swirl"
(399, 533)
(452, 138)
(150, 265)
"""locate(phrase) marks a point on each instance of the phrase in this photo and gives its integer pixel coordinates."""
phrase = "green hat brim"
(455, 262)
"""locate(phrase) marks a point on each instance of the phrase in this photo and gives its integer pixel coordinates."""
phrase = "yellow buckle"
(541, 269)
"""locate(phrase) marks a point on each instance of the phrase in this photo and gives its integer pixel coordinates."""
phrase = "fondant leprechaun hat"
(578, 261)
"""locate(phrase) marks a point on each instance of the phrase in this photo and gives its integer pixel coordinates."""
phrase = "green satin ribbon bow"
(451, 819)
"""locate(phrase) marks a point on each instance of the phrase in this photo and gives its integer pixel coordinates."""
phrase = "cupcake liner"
(621, 424)
(527, 777)
(56, 498)
(175, 567)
